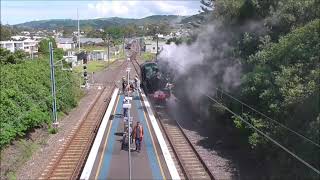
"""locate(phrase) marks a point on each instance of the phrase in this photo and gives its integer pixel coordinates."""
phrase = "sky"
(19, 11)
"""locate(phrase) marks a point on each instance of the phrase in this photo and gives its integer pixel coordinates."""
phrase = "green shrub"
(25, 96)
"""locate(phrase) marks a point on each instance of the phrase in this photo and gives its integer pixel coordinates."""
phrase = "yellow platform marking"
(155, 148)
(105, 143)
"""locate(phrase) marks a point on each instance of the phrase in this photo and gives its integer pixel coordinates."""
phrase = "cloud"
(139, 9)
(15, 12)
(173, 8)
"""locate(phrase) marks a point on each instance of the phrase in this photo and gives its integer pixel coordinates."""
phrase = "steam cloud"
(204, 65)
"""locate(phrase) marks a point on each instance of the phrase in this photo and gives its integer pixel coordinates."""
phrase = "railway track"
(190, 161)
(70, 158)
(186, 156)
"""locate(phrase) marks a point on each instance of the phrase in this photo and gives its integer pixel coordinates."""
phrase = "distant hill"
(100, 23)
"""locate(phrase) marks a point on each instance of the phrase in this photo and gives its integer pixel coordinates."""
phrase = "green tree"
(285, 84)
(114, 32)
(6, 57)
(25, 101)
(6, 32)
(43, 46)
(95, 34)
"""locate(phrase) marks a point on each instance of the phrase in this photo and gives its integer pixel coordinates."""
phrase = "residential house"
(151, 46)
(91, 41)
(65, 43)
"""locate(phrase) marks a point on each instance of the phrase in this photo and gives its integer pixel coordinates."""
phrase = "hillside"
(100, 23)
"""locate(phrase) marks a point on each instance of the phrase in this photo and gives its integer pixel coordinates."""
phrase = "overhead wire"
(265, 116)
(264, 134)
(37, 104)
(262, 114)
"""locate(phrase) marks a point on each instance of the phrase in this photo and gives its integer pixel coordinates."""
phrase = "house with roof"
(91, 41)
(65, 43)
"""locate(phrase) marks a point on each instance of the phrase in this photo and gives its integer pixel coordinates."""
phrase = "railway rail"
(191, 163)
(70, 158)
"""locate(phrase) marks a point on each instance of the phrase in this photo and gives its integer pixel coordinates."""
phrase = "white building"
(20, 38)
(27, 33)
(65, 43)
(151, 46)
(72, 59)
(28, 45)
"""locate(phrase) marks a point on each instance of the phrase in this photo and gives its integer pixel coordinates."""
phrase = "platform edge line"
(164, 148)
(85, 175)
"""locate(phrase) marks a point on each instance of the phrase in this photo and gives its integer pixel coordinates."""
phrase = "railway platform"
(107, 160)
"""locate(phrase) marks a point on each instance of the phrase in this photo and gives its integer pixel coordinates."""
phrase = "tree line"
(277, 44)
(25, 96)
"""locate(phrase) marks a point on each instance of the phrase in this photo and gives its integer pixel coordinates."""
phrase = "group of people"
(131, 86)
(136, 133)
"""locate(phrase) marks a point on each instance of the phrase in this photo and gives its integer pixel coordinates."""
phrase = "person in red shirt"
(138, 135)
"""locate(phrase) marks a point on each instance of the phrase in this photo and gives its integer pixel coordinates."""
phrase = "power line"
(262, 133)
(268, 137)
(37, 104)
(280, 124)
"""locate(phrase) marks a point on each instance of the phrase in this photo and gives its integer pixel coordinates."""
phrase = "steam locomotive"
(154, 81)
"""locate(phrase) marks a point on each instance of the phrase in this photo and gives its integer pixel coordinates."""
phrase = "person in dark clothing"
(124, 84)
(138, 135)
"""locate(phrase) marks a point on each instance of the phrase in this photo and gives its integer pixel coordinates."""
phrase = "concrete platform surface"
(112, 162)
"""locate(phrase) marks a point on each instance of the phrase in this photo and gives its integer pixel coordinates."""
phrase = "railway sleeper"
(60, 169)
(72, 155)
(198, 172)
(65, 175)
(80, 139)
(75, 154)
(75, 150)
(188, 156)
(68, 162)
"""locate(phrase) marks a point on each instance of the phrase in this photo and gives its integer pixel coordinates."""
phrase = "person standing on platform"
(137, 83)
(138, 135)
(124, 84)
(125, 110)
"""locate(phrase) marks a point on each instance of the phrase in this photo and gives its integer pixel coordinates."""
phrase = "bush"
(25, 96)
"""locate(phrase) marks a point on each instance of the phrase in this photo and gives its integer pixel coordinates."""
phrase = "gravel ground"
(222, 167)
(46, 145)
(33, 168)
(224, 158)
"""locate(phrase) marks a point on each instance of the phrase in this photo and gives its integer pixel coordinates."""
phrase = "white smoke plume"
(204, 65)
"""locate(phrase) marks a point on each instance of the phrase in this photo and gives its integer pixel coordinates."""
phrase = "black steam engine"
(154, 81)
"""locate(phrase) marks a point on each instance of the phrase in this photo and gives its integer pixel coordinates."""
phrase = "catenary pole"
(123, 46)
(157, 48)
(108, 48)
(78, 30)
(53, 87)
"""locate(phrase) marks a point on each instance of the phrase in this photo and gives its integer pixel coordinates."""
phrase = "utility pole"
(31, 52)
(108, 47)
(124, 40)
(78, 30)
(157, 48)
(140, 42)
(53, 88)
